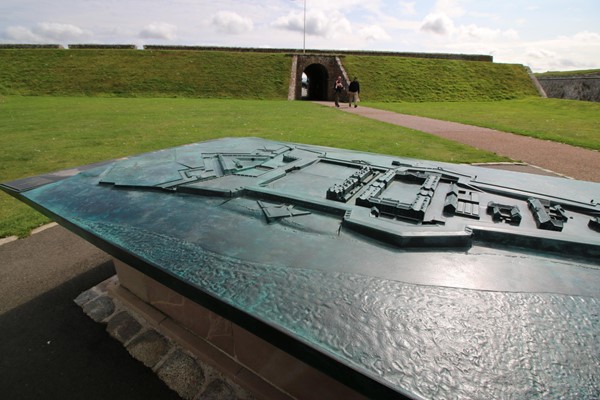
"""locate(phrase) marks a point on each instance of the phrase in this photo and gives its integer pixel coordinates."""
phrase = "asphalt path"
(49, 349)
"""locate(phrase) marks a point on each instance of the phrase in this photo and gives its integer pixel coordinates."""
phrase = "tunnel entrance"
(315, 86)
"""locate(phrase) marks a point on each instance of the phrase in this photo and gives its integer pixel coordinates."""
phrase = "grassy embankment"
(137, 73)
(393, 79)
(219, 74)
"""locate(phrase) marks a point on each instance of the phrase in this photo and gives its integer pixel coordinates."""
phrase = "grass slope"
(137, 73)
(418, 80)
(42, 134)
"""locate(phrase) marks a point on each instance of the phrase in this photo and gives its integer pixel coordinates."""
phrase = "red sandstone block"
(285, 371)
(132, 279)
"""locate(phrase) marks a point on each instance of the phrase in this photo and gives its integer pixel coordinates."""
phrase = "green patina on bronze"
(398, 276)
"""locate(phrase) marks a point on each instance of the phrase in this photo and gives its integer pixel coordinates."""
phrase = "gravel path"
(563, 159)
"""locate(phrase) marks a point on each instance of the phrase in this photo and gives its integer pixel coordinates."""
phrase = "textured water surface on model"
(435, 341)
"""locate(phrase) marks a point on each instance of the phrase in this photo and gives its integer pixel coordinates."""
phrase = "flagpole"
(304, 36)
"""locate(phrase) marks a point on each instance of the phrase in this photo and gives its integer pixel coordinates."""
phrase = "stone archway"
(317, 77)
(321, 71)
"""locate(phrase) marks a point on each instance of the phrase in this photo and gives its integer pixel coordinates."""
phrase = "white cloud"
(21, 34)
(318, 23)
(439, 24)
(540, 53)
(373, 33)
(159, 30)
(443, 25)
(563, 53)
(328, 25)
(45, 32)
(291, 22)
(58, 31)
(579, 51)
(474, 32)
(586, 37)
(231, 23)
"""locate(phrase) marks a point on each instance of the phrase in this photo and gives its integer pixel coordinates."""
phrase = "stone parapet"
(5, 46)
(308, 52)
(576, 87)
(103, 46)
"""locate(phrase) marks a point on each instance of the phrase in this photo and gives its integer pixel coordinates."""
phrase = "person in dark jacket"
(353, 91)
(337, 89)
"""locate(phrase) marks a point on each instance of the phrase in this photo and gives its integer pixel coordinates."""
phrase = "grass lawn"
(566, 121)
(43, 134)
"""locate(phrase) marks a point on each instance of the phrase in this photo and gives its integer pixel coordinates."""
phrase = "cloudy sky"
(546, 35)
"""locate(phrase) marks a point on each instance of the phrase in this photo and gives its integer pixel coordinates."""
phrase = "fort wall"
(576, 87)
(442, 56)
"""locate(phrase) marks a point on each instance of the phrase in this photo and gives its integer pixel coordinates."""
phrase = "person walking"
(337, 88)
(353, 91)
